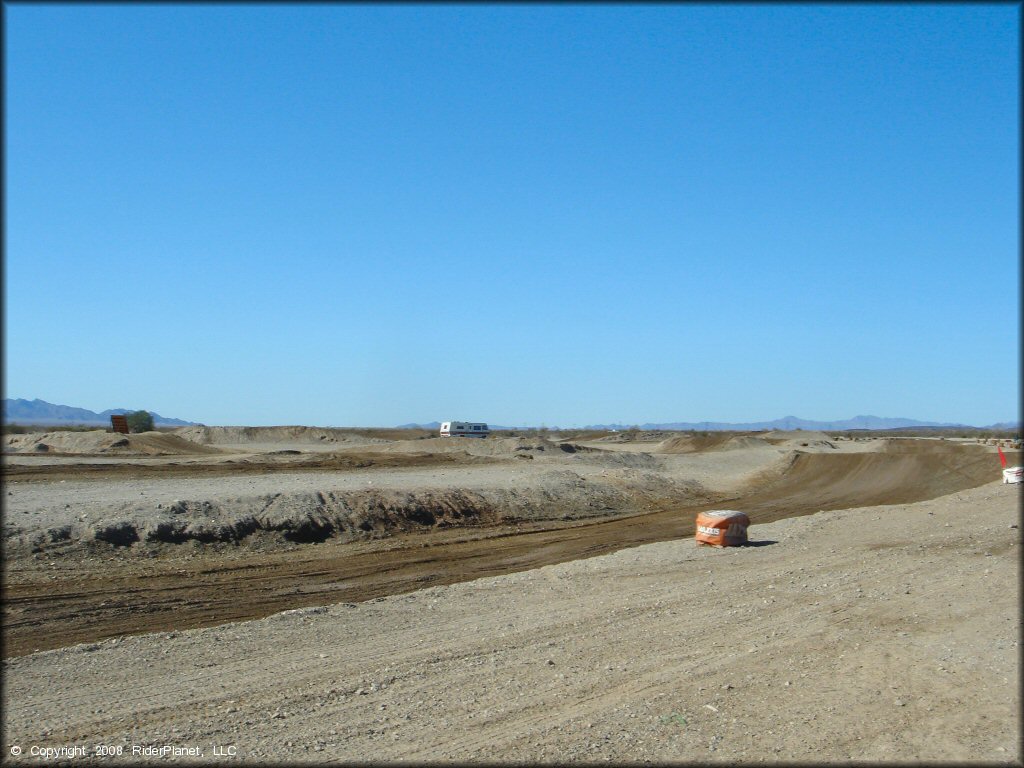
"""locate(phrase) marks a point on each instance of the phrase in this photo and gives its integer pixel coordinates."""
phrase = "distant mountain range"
(787, 423)
(790, 423)
(44, 413)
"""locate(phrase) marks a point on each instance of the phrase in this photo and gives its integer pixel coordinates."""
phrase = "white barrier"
(1013, 475)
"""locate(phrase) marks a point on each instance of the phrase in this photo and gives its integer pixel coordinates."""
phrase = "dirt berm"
(710, 442)
(906, 471)
(101, 442)
(238, 436)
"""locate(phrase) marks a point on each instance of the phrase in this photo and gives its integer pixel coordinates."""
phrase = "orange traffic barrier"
(722, 528)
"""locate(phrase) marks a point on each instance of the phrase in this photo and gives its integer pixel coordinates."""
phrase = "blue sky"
(521, 214)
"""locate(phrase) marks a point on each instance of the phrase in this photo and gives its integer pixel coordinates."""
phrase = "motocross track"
(72, 603)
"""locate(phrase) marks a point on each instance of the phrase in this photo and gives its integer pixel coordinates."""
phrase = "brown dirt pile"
(100, 442)
(287, 434)
(493, 446)
(714, 441)
(248, 465)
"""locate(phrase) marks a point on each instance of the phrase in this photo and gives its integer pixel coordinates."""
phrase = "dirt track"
(881, 635)
(74, 601)
(288, 461)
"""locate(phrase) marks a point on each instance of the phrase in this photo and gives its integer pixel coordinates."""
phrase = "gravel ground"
(874, 634)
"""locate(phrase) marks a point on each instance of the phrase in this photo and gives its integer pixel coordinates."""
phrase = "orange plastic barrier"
(722, 528)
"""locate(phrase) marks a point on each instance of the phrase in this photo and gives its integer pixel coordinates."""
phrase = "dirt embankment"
(100, 442)
(340, 495)
(494, 446)
(295, 435)
(280, 461)
(900, 474)
(341, 516)
(782, 435)
(716, 441)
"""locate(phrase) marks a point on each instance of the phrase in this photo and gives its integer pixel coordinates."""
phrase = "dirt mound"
(925, 445)
(295, 435)
(303, 517)
(798, 440)
(513, 445)
(713, 441)
(500, 446)
(836, 481)
(807, 445)
(101, 442)
(783, 436)
(262, 464)
(427, 445)
(631, 436)
(745, 441)
(691, 443)
(316, 517)
(581, 435)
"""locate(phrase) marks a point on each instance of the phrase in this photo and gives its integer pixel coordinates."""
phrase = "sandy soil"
(567, 616)
(878, 634)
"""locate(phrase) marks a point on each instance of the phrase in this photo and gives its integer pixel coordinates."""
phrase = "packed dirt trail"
(885, 634)
(70, 602)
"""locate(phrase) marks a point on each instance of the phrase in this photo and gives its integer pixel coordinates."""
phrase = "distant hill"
(790, 423)
(787, 423)
(43, 413)
(1005, 425)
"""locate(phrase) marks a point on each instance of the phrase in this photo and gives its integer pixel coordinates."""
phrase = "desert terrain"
(306, 594)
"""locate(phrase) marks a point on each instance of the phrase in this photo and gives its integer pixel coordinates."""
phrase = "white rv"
(464, 429)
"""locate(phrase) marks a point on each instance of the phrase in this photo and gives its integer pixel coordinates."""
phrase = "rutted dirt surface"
(881, 634)
(286, 460)
(178, 564)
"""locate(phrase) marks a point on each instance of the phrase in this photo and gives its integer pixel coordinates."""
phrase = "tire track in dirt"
(230, 467)
(125, 598)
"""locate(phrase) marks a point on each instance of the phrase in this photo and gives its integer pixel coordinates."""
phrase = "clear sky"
(519, 214)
